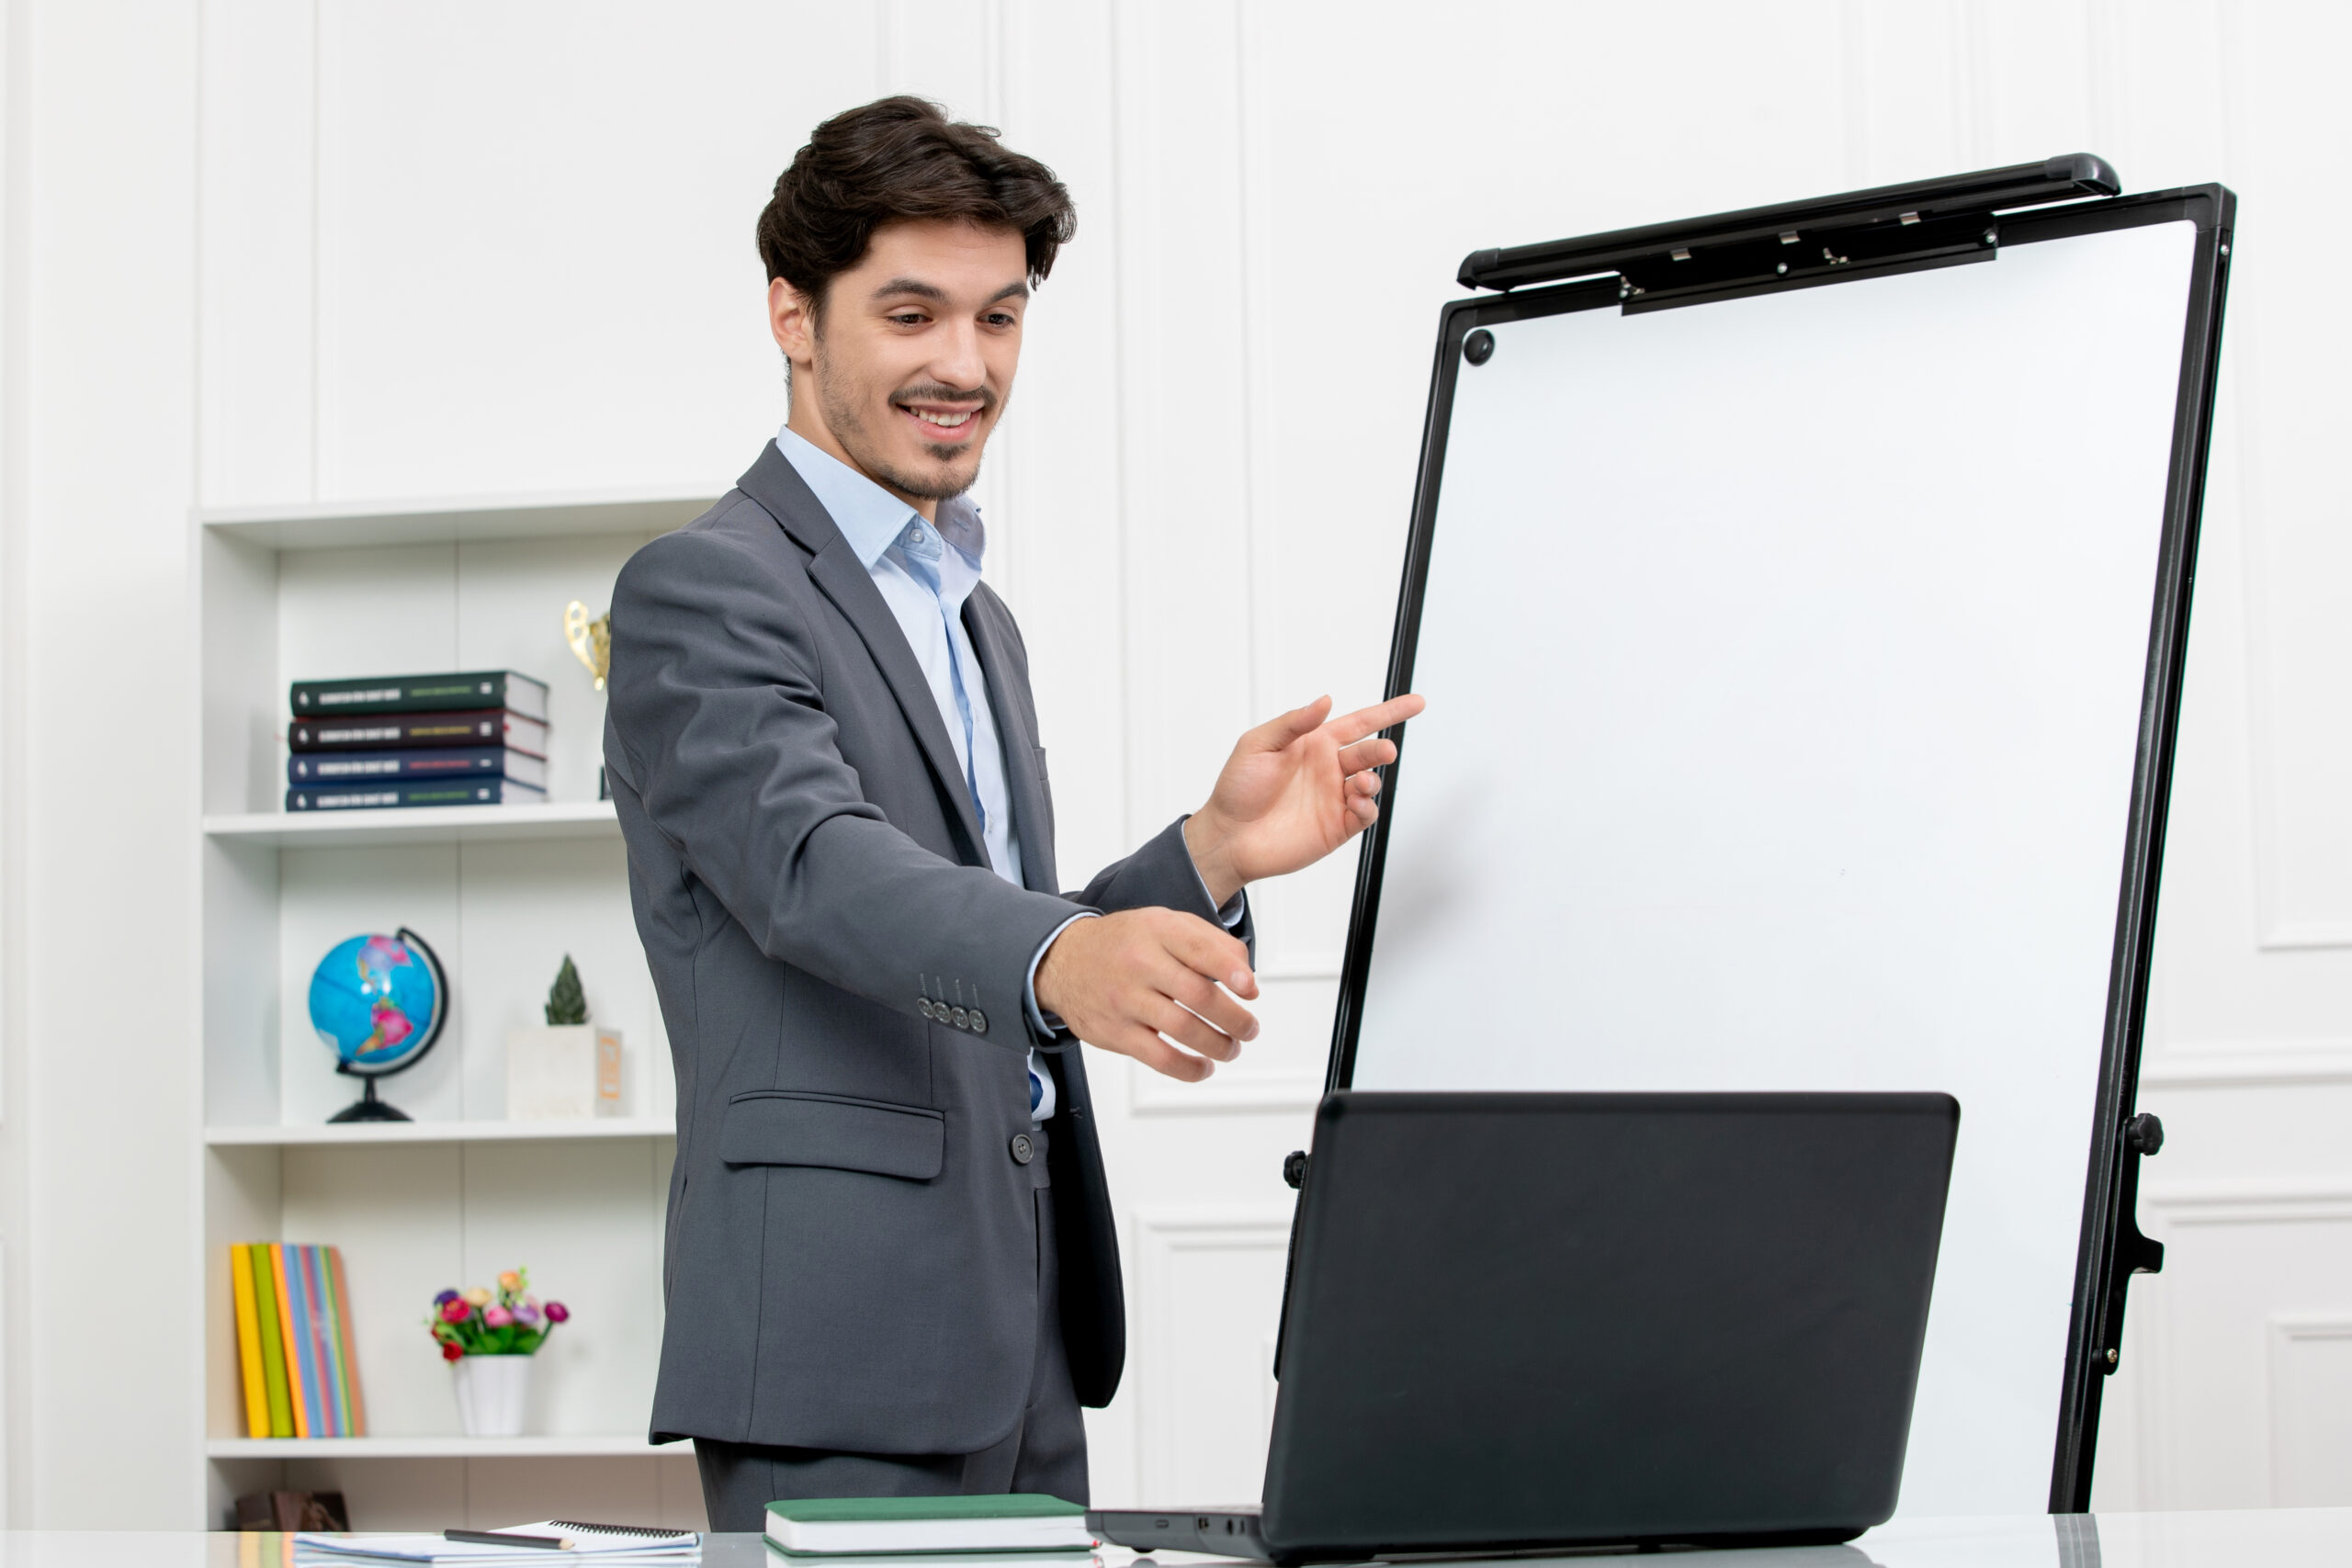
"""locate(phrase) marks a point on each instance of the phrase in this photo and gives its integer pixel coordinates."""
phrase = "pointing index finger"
(1349, 728)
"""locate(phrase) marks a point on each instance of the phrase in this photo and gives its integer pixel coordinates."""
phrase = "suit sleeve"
(716, 714)
(1161, 875)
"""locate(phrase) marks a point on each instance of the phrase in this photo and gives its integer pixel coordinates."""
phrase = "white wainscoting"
(2242, 1403)
(1207, 1300)
(2311, 1411)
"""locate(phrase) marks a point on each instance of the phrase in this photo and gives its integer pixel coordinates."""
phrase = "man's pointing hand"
(1293, 790)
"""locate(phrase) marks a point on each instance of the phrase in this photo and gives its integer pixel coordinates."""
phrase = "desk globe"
(379, 1003)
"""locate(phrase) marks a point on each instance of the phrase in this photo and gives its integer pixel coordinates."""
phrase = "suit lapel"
(843, 578)
(989, 622)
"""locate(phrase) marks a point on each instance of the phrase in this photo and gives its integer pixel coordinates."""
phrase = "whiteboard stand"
(1801, 595)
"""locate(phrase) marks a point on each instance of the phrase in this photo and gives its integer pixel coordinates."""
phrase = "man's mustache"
(933, 392)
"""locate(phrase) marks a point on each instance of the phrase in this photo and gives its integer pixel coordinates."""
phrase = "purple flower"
(558, 1312)
(496, 1316)
(528, 1315)
(444, 1298)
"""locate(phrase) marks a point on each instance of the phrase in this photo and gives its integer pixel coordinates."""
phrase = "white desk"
(2280, 1538)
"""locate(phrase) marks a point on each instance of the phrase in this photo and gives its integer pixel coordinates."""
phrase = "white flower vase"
(491, 1393)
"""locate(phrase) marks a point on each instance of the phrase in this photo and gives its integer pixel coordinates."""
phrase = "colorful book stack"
(475, 737)
(294, 1341)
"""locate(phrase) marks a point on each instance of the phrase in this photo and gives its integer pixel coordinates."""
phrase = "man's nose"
(956, 360)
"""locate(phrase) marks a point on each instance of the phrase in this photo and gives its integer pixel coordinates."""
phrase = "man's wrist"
(1209, 845)
(1048, 1024)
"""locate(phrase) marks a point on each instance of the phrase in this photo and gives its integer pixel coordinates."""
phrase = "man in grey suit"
(891, 1268)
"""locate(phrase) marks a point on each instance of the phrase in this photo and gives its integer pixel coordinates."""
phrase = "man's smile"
(942, 422)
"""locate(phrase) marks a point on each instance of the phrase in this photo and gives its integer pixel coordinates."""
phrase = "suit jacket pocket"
(784, 1127)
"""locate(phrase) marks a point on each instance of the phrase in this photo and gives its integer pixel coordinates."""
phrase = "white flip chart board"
(1791, 722)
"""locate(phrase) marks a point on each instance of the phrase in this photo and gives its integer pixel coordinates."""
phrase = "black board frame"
(1956, 221)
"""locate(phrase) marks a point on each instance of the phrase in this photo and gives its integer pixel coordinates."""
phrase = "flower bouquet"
(489, 1338)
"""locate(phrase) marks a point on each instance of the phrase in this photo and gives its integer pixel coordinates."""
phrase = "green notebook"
(1017, 1521)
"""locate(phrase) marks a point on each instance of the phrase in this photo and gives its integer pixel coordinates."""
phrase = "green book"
(273, 1346)
(1016, 1521)
(464, 689)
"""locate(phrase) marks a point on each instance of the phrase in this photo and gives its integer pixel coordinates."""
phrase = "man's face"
(913, 363)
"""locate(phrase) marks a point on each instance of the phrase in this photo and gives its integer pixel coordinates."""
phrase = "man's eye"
(1002, 319)
(909, 318)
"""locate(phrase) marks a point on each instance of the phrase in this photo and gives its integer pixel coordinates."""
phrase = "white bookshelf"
(503, 894)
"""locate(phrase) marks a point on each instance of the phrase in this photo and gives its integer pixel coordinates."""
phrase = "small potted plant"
(488, 1337)
(567, 1067)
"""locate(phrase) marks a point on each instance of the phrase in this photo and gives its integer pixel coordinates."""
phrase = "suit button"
(1023, 1149)
(979, 1021)
(960, 1016)
(924, 1007)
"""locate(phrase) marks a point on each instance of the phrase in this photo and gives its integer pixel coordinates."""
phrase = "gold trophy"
(592, 641)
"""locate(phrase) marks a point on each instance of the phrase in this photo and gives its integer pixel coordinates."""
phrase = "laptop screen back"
(1539, 1318)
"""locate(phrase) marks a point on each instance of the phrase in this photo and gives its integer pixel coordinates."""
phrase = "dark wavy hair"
(902, 159)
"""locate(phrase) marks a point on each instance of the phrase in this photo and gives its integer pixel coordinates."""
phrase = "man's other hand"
(1124, 980)
(1293, 790)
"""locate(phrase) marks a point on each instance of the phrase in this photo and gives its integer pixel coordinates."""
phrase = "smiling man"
(891, 1269)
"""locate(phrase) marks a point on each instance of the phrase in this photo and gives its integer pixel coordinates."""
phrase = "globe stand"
(368, 1108)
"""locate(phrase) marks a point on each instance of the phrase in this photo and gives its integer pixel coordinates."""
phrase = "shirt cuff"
(1046, 1023)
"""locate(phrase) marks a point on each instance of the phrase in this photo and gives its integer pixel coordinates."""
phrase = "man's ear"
(792, 320)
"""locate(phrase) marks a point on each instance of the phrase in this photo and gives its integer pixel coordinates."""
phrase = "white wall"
(262, 251)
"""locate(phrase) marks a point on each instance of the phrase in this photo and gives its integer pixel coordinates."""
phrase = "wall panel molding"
(2202, 1332)
(1205, 1273)
(2251, 1064)
(2310, 1395)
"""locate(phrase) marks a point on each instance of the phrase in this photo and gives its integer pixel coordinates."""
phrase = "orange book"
(256, 1386)
(294, 1379)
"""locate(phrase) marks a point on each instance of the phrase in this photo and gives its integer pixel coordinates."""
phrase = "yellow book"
(241, 1283)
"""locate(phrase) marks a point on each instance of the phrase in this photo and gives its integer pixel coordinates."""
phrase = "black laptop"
(1519, 1321)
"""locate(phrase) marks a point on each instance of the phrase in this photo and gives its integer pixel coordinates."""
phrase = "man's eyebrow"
(902, 288)
(913, 286)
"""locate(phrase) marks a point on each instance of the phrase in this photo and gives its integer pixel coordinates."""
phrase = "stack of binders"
(294, 1341)
(476, 738)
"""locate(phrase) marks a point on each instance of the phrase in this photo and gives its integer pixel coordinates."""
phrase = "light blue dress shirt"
(925, 572)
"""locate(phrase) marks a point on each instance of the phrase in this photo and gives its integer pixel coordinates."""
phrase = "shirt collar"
(870, 517)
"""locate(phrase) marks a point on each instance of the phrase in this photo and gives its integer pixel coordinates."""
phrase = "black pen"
(494, 1538)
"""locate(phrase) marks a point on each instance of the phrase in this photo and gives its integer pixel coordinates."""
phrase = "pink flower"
(455, 1310)
(496, 1316)
(558, 1312)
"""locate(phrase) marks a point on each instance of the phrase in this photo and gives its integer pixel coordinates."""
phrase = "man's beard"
(844, 419)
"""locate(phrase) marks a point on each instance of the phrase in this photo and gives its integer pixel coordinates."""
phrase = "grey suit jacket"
(852, 1251)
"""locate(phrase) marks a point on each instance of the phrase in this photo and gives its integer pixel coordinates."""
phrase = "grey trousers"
(1046, 1451)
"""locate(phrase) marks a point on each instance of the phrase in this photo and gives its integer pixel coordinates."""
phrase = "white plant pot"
(492, 1392)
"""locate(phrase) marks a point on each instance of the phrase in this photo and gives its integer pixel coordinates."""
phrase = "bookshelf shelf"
(593, 1445)
(459, 519)
(483, 1132)
(419, 825)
